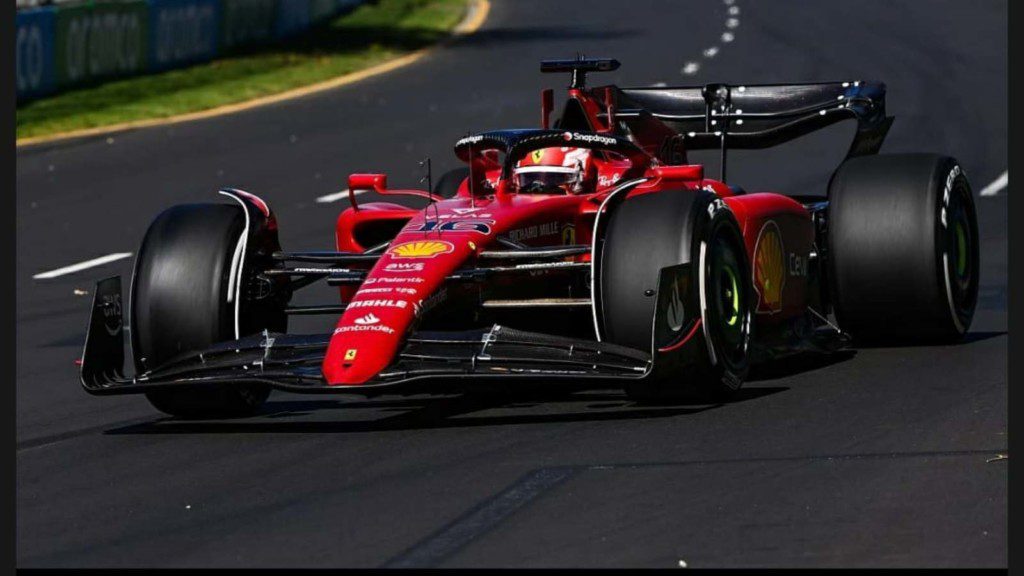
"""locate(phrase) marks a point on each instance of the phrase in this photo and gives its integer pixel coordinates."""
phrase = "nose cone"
(372, 329)
(367, 337)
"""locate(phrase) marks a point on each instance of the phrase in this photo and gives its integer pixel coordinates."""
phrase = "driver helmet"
(570, 170)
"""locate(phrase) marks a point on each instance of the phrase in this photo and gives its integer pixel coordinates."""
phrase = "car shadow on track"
(448, 412)
(969, 338)
(799, 364)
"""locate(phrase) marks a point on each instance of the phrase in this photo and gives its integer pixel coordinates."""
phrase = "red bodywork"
(536, 284)
(449, 234)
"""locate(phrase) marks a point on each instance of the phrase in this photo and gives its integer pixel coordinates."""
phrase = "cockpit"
(549, 161)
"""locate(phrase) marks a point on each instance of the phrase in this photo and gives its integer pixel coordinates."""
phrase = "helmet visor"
(544, 178)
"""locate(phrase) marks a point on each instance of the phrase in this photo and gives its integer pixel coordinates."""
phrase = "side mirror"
(376, 182)
(685, 173)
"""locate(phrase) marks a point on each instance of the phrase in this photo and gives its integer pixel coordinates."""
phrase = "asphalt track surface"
(882, 458)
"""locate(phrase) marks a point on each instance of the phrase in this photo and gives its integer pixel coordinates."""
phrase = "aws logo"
(769, 268)
(422, 249)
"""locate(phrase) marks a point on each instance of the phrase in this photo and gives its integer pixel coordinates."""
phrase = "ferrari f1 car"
(588, 250)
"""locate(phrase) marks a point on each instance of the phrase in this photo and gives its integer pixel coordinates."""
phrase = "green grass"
(369, 35)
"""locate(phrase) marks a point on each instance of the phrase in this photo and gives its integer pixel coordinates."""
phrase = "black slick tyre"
(182, 301)
(903, 249)
(651, 231)
(448, 184)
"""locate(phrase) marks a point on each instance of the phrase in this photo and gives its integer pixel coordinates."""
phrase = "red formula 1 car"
(586, 252)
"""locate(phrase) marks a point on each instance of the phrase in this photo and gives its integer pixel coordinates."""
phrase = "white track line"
(82, 266)
(997, 186)
(338, 196)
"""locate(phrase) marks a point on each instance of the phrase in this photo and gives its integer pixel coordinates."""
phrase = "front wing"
(293, 362)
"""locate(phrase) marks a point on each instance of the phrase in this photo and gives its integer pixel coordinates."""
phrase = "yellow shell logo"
(422, 249)
(769, 268)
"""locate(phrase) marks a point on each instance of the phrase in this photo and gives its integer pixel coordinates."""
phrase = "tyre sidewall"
(726, 375)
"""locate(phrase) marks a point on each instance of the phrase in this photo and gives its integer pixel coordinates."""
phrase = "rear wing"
(758, 116)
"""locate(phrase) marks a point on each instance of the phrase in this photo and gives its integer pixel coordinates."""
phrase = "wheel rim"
(731, 297)
(960, 252)
(729, 300)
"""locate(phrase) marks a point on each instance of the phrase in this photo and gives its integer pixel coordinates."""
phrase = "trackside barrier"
(292, 17)
(247, 22)
(33, 67)
(62, 46)
(182, 32)
(98, 41)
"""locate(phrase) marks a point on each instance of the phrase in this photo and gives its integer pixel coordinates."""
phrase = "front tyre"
(182, 300)
(679, 227)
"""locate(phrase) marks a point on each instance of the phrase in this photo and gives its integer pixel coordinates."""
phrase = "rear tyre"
(180, 303)
(676, 226)
(903, 242)
(448, 184)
